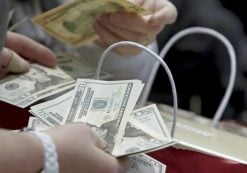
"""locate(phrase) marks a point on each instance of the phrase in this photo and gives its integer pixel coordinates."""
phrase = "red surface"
(12, 117)
(185, 161)
(177, 160)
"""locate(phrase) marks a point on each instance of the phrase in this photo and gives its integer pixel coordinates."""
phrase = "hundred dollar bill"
(72, 22)
(53, 112)
(143, 163)
(105, 106)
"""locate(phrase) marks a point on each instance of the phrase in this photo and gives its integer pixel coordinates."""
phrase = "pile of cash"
(107, 108)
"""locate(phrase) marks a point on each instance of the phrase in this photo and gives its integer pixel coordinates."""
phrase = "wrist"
(36, 150)
(49, 156)
(64, 156)
(50, 152)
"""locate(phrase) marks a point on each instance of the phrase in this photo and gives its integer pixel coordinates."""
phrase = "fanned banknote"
(40, 82)
(150, 120)
(72, 22)
(142, 133)
(105, 106)
(54, 112)
(136, 141)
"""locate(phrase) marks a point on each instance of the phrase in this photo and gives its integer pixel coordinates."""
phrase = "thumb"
(12, 62)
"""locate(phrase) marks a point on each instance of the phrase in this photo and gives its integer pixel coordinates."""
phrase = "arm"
(20, 152)
(79, 150)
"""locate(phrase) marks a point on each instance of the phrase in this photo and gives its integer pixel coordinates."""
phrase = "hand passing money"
(72, 22)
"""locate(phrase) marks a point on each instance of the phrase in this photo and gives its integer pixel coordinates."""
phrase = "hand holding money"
(137, 164)
(121, 26)
(72, 22)
(85, 153)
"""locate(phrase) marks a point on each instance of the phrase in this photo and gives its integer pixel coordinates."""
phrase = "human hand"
(80, 150)
(18, 46)
(120, 26)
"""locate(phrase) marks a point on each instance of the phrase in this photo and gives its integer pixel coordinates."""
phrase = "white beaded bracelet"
(50, 156)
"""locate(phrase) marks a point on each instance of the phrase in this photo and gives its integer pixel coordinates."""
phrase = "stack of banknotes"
(107, 108)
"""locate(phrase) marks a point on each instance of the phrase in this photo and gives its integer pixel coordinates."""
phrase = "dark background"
(200, 63)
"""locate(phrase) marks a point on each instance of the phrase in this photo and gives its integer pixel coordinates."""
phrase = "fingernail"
(5, 56)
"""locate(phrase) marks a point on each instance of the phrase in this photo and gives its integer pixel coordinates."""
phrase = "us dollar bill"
(137, 141)
(105, 106)
(77, 67)
(145, 132)
(72, 22)
(56, 111)
(150, 120)
(41, 82)
(53, 112)
(143, 163)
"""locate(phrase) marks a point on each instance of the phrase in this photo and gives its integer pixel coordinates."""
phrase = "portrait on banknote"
(106, 132)
(22, 90)
(42, 79)
(135, 140)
